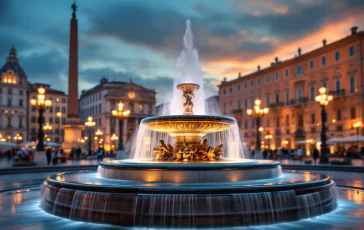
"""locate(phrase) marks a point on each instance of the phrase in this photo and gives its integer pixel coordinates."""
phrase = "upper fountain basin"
(179, 124)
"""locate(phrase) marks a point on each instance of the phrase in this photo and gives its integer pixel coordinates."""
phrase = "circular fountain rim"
(321, 182)
(225, 164)
(189, 117)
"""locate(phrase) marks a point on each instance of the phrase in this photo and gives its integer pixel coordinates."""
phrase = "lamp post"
(18, 138)
(99, 133)
(41, 104)
(114, 138)
(89, 123)
(268, 137)
(47, 128)
(121, 114)
(257, 114)
(59, 115)
(323, 99)
(357, 126)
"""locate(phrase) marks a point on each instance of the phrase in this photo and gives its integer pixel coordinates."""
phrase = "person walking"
(48, 155)
(315, 155)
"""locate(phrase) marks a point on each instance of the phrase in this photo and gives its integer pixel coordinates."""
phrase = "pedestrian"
(253, 153)
(102, 154)
(265, 154)
(54, 157)
(315, 155)
(48, 154)
(299, 154)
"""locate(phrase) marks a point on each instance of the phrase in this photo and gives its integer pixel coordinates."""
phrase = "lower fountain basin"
(196, 171)
(86, 196)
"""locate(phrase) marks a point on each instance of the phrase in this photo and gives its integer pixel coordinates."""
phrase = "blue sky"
(141, 39)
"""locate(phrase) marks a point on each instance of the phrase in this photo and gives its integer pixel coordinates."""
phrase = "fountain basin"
(86, 197)
(195, 171)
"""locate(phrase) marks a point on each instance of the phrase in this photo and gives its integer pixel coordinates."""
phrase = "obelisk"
(73, 128)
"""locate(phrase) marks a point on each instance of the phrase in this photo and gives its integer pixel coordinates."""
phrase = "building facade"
(99, 101)
(59, 106)
(289, 88)
(13, 99)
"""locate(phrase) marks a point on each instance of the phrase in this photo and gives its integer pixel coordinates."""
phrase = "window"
(258, 81)
(33, 119)
(33, 108)
(21, 92)
(267, 98)
(323, 60)
(57, 109)
(352, 84)
(266, 78)
(352, 113)
(63, 120)
(251, 83)
(313, 118)
(245, 85)
(64, 100)
(239, 105)
(224, 91)
(100, 108)
(287, 97)
(253, 124)
(51, 109)
(9, 102)
(238, 87)
(51, 120)
(100, 124)
(20, 122)
(20, 102)
(312, 92)
(246, 124)
(231, 89)
(63, 109)
(299, 95)
(338, 115)
(312, 64)
(337, 87)
(287, 120)
(277, 76)
(57, 120)
(246, 104)
(252, 103)
(10, 92)
(150, 109)
(277, 98)
(351, 51)
(325, 85)
(286, 73)
(268, 123)
(299, 70)
(337, 56)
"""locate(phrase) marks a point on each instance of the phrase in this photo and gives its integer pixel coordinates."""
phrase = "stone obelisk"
(73, 128)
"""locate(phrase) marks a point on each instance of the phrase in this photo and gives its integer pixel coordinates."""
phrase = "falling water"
(188, 70)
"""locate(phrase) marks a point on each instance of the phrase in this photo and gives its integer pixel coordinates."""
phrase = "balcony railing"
(299, 101)
(277, 105)
(338, 93)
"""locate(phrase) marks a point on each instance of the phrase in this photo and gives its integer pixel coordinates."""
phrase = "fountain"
(190, 184)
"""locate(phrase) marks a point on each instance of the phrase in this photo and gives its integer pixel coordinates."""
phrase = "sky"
(140, 40)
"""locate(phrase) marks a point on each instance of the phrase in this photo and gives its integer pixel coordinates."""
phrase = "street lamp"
(268, 137)
(323, 99)
(18, 138)
(121, 114)
(257, 114)
(357, 126)
(47, 128)
(99, 133)
(41, 104)
(114, 138)
(89, 123)
(59, 115)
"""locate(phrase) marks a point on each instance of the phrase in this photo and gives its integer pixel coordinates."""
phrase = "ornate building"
(99, 101)
(59, 106)
(289, 88)
(13, 98)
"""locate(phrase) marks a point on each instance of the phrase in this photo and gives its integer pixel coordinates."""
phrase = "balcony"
(277, 105)
(338, 93)
(278, 132)
(339, 128)
(299, 101)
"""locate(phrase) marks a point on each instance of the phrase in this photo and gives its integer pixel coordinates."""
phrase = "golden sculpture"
(188, 153)
(188, 94)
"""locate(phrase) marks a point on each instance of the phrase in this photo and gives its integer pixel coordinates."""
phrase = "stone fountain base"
(138, 201)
